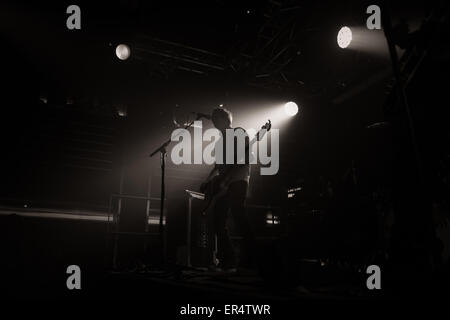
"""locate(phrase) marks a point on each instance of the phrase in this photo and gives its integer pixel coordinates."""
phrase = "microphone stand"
(163, 153)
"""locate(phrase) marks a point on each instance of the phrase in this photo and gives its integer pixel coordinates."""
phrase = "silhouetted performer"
(234, 200)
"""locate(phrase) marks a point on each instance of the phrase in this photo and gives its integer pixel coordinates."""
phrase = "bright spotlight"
(291, 108)
(123, 51)
(344, 37)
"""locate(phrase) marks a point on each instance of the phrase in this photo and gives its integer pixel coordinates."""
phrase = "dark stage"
(223, 158)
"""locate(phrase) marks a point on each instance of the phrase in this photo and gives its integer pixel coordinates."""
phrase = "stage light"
(344, 37)
(251, 116)
(272, 219)
(121, 110)
(291, 108)
(123, 51)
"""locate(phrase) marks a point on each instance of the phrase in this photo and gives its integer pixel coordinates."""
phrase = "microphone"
(202, 115)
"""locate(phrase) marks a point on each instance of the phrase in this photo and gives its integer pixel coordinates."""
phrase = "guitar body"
(215, 189)
(217, 184)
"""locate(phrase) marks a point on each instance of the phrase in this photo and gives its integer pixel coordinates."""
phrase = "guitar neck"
(259, 135)
(257, 138)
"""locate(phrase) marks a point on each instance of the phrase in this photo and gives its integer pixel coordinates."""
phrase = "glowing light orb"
(291, 108)
(344, 37)
(123, 51)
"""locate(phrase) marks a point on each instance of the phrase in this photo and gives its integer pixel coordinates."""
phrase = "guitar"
(216, 186)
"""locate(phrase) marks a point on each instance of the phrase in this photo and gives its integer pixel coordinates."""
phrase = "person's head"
(221, 118)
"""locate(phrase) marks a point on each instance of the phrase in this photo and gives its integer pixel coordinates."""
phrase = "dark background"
(65, 146)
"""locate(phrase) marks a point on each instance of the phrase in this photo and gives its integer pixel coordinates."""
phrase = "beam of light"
(369, 41)
(291, 108)
(123, 51)
(251, 116)
(344, 37)
(57, 214)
